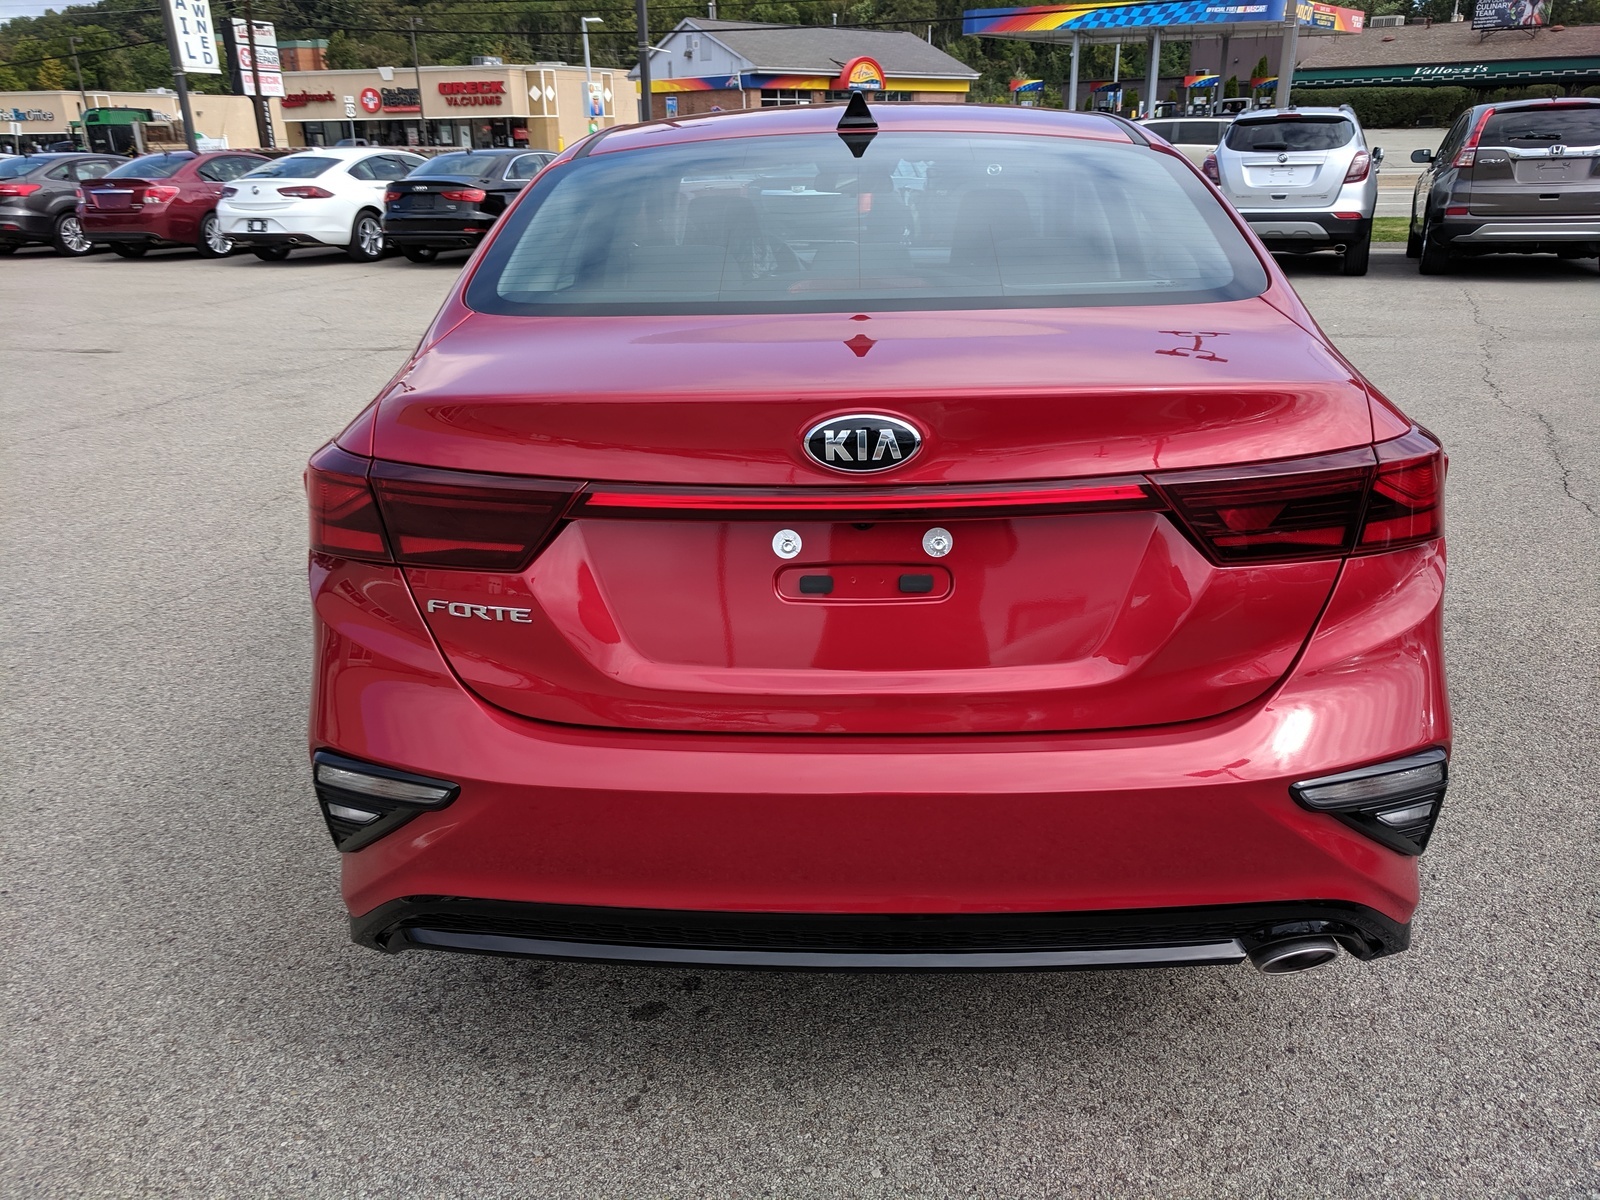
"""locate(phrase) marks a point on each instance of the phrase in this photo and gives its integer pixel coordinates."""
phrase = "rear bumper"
(1082, 828)
(876, 942)
(453, 233)
(21, 227)
(285, 228)
(1507, 233)
(1306, 230)
(126, 235)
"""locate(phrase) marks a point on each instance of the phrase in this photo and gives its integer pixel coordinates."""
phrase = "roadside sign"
(350, 109)
(268, 67)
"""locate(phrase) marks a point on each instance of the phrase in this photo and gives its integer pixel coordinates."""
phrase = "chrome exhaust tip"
(1295, 954)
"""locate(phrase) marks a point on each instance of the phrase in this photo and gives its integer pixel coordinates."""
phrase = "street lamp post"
(588, 73)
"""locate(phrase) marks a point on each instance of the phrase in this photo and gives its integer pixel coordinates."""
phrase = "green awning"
(1479, 74)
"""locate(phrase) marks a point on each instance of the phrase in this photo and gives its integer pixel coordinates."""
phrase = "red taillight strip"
(1469, 152)
(765, 503)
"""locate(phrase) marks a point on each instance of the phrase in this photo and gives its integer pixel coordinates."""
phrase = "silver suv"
(1303, 178)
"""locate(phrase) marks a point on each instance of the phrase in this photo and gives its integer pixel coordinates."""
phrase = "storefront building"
(31, 120)
(716, 66)
(546, 106)
(1454, 53)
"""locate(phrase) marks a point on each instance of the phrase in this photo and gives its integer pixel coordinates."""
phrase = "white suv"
(321, 197)
(1303, 178)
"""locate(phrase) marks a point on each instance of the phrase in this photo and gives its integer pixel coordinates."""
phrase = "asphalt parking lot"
(185, 1015)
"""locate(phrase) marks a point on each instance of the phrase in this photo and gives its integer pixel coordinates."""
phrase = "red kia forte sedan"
(879, 537)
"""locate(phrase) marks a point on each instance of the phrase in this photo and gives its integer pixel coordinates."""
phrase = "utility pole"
(642, 19)
(73, 44)
(180, 77)
(416, 67)
(257, 101)
(588, 73)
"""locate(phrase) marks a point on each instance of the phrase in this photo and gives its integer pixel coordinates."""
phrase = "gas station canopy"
(1185, 20)
(1102, 21)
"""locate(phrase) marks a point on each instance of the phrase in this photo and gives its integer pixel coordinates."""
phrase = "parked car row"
(361, 199)
(1521, 177)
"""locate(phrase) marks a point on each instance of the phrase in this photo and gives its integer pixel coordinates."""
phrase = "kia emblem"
(862, 443)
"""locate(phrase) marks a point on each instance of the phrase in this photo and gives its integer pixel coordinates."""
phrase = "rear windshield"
(151, 166)
(11, 168)
(1291, 133)
(472, 165)
(1534, 127)
(296, 166)
(920, 221)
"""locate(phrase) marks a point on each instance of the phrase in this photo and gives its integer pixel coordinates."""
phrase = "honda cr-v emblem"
(1557, 150)
(862, 442)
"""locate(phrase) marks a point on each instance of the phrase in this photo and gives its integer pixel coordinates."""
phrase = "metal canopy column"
(1155, 74)
(1072, 78)
(1291, 38)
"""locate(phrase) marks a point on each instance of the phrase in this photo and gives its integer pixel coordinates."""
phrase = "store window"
(877, 97)
(783, 97)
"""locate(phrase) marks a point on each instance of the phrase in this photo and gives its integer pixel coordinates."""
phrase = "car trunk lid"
(656, 607)
(440, 197)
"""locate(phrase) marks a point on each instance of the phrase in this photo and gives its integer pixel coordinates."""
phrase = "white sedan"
(321, 197)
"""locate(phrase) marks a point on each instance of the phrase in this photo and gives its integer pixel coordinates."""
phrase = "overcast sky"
(23, 8)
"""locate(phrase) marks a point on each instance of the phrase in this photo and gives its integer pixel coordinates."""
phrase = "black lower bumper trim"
(249, 240)
(871, 941)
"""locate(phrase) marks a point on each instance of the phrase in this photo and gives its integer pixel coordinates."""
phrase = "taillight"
(1360, 166)
(391, 196)
(1407, 503)
(230, 191)
(1310, 508)
(157, 194)
(1209, 169)
(1353, 502)
(344, 515)
(472, 522)
(19, 189)
(1469, 149)
(305, 192)
(466, 195)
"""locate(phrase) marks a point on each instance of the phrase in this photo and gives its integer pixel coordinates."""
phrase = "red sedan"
(874, 538)
(162, 200)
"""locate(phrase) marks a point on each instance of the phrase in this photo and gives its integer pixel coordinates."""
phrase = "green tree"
(1263, 68)
(51, 75)
(1230, 89)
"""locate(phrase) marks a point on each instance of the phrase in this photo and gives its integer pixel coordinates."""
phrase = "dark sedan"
(39, 197)
(449, 202)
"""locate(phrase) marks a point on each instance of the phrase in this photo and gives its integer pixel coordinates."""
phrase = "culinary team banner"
(1509, 14)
